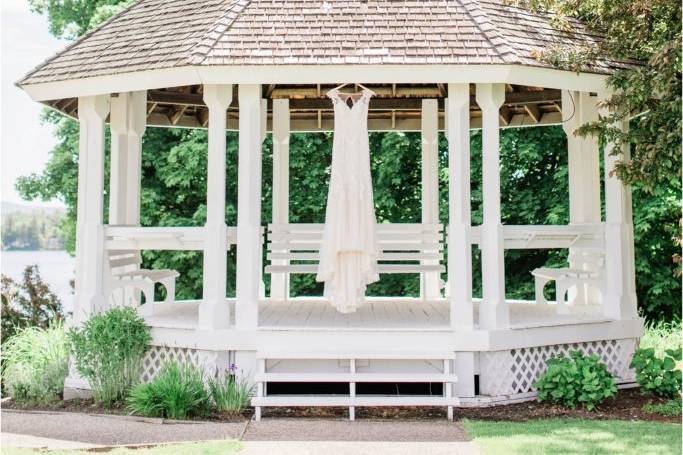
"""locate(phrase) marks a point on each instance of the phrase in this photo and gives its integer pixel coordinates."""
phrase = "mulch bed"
(626, 406)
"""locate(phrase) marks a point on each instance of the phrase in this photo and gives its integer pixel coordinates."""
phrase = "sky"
(25, 143)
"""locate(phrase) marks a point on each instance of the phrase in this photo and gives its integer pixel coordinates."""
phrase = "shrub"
(576, 380)
(27, 304)
(671, 408)
(108, 351)
(658, 375)
(177, 392)
(36, 361)
(230, 394)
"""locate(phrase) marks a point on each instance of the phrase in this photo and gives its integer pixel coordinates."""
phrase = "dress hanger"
(356, 86)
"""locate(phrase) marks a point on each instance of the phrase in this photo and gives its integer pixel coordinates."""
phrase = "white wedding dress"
(349, 250)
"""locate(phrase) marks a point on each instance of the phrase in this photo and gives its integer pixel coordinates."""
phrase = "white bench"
(405, 248)
(123, 271)
(587, 271)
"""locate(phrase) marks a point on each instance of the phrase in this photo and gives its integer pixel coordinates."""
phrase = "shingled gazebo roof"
(158, 34)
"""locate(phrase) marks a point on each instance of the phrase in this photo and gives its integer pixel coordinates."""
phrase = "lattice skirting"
(515, 371)
(213, 363)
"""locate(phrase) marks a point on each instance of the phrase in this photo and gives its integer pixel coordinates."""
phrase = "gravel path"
(280, 436)
(114, 430)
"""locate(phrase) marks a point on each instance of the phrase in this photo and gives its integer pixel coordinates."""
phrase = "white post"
(459, 226)
(249, 207)
(89, 298)
(279, 282)
(430, 282)
(493, 312)
(214, 311)
(579, 108)
(620, 300)
(128, 120)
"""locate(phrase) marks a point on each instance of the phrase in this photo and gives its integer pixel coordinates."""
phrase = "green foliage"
(649, 31)
(108, 351)
(661, 336)
(671, 408)
(72, 18)
(230, 394)
(177, 392)
(36, 361)
(659, 375)
(576, 380)
(27, 304)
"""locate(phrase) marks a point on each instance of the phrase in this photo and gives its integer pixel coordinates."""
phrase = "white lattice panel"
(515, 371)
(156, 356)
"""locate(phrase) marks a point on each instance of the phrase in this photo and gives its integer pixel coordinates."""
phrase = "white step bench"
(263, 377)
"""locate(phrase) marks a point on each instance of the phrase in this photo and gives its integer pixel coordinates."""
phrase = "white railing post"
(279, 282)
(493, 313)
(249, 207)
(620, 300)
(459, 232)
(214, 311)
(89, 298)
(430, 281)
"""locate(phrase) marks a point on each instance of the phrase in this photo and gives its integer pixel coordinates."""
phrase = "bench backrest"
(591, 259)
(119, 261)
(402, 245)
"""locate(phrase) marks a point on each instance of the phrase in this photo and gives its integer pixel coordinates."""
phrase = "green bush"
(36, 361)
(177, 392)
(230, 394)
(108, 351)
(658, 375)
(671, 408)
(576, 380)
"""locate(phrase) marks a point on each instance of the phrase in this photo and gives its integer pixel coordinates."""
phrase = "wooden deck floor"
(384, 314)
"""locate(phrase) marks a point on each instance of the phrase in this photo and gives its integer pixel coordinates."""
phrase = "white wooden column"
(249, 207)
(579, 108)
(493, 312)
(430, 282)
(214, 311)
(89, 298)
(128, 122)
(279, 282)
(620, 300)
(459, 228)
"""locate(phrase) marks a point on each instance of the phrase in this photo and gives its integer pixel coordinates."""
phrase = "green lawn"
(571, 436)
(200, 448)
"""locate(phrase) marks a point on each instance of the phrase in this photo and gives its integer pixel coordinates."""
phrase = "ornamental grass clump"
(36, 361)
(108, 351)
(576, 380)
(176, 392)
(230, 394)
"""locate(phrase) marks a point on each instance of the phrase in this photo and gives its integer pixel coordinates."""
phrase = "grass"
(195, 448)
(662, 336)
(572, 436)
(671, 408)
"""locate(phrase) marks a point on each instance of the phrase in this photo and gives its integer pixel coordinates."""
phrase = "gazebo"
(263, 67)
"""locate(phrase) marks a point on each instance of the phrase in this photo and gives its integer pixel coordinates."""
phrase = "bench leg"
(169, 284)
(561, 292)
(539, 284)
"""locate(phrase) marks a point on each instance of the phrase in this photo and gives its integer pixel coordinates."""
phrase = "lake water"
(56, 269)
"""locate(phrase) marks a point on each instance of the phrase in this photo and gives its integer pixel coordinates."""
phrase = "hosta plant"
(659, 375)
(576, 380)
